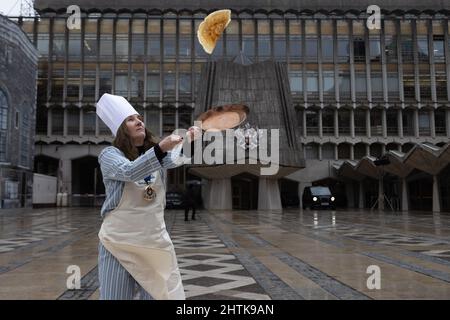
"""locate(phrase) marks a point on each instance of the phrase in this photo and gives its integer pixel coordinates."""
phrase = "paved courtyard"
(242, 254)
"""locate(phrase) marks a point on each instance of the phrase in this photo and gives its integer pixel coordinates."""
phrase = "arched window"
(3, 125)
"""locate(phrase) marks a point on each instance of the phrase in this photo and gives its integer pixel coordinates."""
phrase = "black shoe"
(186, 219)
(193, 218)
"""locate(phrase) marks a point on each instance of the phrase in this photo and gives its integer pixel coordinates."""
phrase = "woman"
(135, 250)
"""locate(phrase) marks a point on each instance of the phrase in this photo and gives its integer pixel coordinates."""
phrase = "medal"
(149, 192)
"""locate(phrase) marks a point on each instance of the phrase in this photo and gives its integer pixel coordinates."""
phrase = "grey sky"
(11, 6)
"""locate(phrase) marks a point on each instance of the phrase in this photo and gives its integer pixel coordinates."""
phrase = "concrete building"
(356, 92)
(18, 71)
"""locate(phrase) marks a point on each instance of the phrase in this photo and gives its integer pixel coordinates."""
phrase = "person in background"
(189, 202)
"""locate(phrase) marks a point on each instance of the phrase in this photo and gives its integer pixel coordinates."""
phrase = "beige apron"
(135, 234)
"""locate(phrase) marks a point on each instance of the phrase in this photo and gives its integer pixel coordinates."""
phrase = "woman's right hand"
(169, 142)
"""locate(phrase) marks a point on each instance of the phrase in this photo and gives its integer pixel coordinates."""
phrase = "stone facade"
(18, 71)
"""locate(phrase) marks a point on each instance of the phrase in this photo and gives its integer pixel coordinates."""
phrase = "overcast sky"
(10, 7)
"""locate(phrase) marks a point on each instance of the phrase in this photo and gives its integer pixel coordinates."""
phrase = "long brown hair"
(123, 142)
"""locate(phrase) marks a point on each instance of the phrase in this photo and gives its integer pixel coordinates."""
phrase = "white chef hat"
(113, 110)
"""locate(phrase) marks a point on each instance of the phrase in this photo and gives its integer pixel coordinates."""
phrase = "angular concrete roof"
(425, 157)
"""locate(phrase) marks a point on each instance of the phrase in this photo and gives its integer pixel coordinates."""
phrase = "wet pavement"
(243, 254)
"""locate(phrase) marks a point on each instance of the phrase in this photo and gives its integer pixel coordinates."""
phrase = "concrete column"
(320, 123)
(400, 123)
(405, 203)
(301, 186)
(368, 127)
(269, 194)
(350, 194)
(416, 123)
(361, 195)
(384, 123)
(380, 194)
(219, 197)
(436, 195)
(336, 123)
(352, 122)
(432, 124)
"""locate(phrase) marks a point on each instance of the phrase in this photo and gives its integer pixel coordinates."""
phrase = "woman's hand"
(169, 142)
(194, 133)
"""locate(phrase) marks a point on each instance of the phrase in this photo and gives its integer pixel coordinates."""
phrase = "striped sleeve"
(116, 166)
(174, 159)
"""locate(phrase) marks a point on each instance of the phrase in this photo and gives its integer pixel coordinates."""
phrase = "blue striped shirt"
(117, 169)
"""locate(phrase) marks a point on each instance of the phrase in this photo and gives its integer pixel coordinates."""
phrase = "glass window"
(121, 85)
(344, 151)
(185, 83)
(248, 46)
(327, 48)
(25, 140)
(263, 38)
(344, 122)
(407, 49)
(328, 151)
(138, 46)
(343, 47)
(3, 125)
(328, 83)
(312, 83)
(42, 43)
(279, 39)
(295, 46)
(105, 79)
(312, 151)
(438, 46)
(232, 36)
(376, 122)
(89, 117)
(360, 83)
(185, 47)
(41, 120)
(440, 123)
(279, 47)
(375, 49)
(184, 117)
(73, 121)
(169, 83)
(392, 122)
(90, 45)
(328, 122)
(391, 48)
(58, 46)
(74, 45)
(153, 85)
(122, 27)
(377, 85)
(185, 38)
(359, 49)
(311, 47)
(168, 120)
(422, 46)
(344, 86)
(360, 122)
(153, 118)
(312, 122)
(424, 123)
(263, 46)
(296, 82)
(57, 121)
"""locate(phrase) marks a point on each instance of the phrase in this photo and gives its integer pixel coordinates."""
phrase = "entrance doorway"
(245, 191)
(87, 182)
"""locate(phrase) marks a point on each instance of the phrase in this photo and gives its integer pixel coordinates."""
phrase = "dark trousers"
(186, 211)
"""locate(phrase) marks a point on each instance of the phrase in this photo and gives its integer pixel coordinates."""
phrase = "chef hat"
(113, 110)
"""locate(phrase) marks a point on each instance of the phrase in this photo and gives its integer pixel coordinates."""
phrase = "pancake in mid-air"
(210, 30)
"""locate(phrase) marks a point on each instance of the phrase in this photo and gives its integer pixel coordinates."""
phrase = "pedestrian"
(135, 249)
(189, 202)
